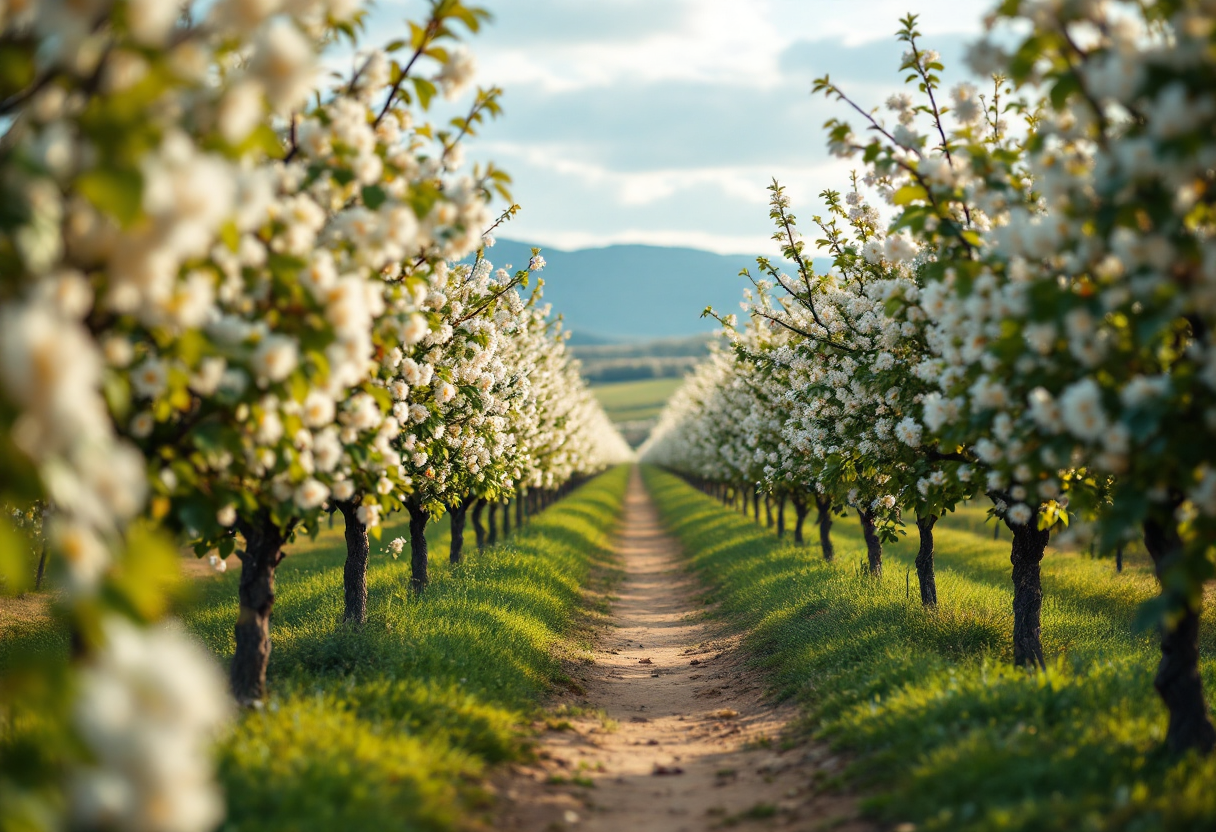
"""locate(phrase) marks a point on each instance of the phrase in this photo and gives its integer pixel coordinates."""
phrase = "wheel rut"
(671, 732)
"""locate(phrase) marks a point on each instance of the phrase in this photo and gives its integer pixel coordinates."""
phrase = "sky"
(663, 121)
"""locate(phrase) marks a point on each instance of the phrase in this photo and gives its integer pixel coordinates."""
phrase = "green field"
(632, 401)
(943, 732)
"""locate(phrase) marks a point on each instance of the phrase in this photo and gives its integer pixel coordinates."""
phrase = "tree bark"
(41, 563)
(924, 561)
(1119, 558)
(263, 553)
(768, 511)
(479, 530)
(1178, 681)
(824, 504)
(800, 511)
(1029, 544)
(873, 544)
(781, 516)
(354, 573)
(457, 514)
(419, 517)
(42, 527)
(506, 518)
(492, 534)
(756, 504)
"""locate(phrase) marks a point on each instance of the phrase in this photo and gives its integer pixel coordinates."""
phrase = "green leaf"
(117, 193)
(910, 193)
(117, 390)
(230, 235)
(374, 196)
(264, 138)
(1064, 87)
(426, 91)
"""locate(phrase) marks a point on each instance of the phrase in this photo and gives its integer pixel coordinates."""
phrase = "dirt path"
(684, 739)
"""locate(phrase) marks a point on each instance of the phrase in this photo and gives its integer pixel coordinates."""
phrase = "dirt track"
(685, 739)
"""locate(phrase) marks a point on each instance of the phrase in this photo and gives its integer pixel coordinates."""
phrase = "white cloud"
(745, 183)
(663, 121)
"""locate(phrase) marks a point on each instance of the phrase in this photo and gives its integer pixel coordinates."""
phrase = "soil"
(670, 731)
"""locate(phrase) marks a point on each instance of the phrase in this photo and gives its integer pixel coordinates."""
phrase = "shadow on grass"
(946, 733)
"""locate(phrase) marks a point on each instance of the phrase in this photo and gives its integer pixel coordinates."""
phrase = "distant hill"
(625, 293)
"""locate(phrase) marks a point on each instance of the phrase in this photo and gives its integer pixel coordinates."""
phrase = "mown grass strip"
(946, 733)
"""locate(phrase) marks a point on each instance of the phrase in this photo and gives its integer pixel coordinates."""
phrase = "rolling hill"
(624, 293)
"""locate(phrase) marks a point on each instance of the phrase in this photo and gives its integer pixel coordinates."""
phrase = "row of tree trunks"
(1177, 681)
(263, 552)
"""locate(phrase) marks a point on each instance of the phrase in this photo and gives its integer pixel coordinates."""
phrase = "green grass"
(942, 730)
(635, 400)
(393, 725)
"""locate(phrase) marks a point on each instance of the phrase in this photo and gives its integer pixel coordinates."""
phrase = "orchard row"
(234, 296)
(1020, 307)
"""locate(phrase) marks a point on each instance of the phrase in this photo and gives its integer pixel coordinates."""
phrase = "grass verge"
(393, 725)
(944, 732)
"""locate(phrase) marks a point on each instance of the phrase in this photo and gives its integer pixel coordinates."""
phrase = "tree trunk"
(42, 528)
(756, 504)
(1178, 681)
(1119, 558)
(492, 535)
(824, 504)
(519, 511)
(781, 516)
(354, 573)
(41, 563)
(457, 515)
(873, 544)
(768, 511)
(419, 517)
(479, 530)
(924, 561)
(1029, 544)
(263, 553)
(506, 518)
(800, 510)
